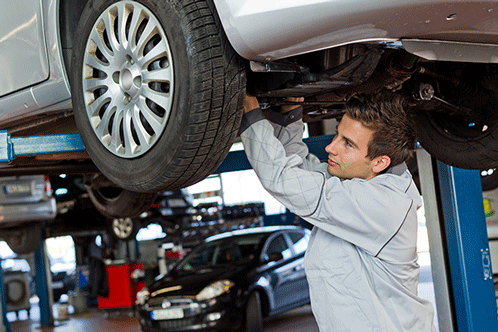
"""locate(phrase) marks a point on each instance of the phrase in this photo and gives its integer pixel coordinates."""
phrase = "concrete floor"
(297, 320)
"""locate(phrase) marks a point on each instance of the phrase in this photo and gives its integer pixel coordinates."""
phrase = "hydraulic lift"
(460, 259)
(11, 147)
(459, 246)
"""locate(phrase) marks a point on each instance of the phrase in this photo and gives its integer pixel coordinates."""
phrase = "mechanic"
(361, 262)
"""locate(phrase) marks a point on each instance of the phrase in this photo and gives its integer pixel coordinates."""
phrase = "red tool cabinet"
(122, 287)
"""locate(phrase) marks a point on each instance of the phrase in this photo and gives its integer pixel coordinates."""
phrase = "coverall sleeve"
(363, 213)
(288, 129)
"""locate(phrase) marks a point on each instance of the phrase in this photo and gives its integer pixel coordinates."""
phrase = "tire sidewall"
(458, 152)
(254, 318)
(126, 204)
(165, 149)
(489, 182)
(31, 239)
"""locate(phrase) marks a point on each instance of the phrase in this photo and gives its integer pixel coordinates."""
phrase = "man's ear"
(381, 163)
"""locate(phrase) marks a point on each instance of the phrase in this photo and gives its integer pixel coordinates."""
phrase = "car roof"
(253, 230)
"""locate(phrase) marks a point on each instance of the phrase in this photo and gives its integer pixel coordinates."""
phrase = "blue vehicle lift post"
(4, 323)
(43, 281)
(459, 246)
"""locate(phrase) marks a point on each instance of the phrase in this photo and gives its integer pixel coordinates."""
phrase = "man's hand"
(287, 108)
(250, 103)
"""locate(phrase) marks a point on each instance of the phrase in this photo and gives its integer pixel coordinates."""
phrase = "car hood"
(190, 283)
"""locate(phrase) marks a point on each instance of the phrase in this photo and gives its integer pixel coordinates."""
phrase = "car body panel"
(39, 211)
(284, 281)
(287, 285)
(270, 30)
(47, 89)
(24, 199)
(452, 51)
(23, 53)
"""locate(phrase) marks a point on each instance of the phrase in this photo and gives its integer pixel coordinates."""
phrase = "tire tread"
(215, 89)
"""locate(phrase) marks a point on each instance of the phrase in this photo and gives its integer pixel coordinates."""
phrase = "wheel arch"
(264, 298)
(69, 15)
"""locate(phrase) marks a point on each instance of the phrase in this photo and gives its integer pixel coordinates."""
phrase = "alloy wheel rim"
(123, 227)
(128, 79)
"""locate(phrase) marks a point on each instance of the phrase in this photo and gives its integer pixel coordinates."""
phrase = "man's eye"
(349, 144)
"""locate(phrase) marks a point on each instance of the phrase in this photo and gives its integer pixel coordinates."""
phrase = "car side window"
(279, 246)
(228, 255)
(300, 242)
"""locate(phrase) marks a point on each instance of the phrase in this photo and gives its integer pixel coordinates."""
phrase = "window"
(228, 255)
(278, 245)
(224, 251)
(201, 257)
(300, 242)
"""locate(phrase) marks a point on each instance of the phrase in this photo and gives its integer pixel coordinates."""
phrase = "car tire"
(489, 179)
(179, 126)
(456, 143)
(125, 229)
(25, 239)
(254, 315)
(115, 202)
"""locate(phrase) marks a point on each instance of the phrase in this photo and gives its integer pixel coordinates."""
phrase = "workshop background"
(223, 202)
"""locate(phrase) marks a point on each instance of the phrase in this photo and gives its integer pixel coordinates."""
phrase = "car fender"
(57, 89)
(263, 286)
(266, 30)
(51, 94)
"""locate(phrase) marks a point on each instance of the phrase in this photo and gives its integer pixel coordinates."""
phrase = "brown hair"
(385, 114)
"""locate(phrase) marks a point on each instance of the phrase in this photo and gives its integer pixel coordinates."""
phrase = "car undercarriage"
(454, 104)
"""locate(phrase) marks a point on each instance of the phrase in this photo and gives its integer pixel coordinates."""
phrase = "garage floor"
(297, 320)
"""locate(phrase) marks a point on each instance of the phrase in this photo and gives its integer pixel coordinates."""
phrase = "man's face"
(348, 151)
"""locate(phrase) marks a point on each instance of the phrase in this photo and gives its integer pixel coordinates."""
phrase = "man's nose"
(330, 149)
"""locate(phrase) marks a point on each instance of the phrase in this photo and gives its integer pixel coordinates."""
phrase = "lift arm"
(11, 147)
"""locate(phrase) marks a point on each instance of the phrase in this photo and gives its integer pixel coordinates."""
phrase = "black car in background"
(231, 281)
(62, 283)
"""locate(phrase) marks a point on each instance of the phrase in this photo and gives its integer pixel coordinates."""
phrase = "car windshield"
(232, 250)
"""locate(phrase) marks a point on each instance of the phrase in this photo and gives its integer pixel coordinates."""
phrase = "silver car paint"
(54, 92)
(36, 192)
(26, 205)
(452, 51)
(13, 215)
(265, 30)
(258, 30)
(23, 55)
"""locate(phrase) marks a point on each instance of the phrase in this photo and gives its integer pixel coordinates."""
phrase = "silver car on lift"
(156, 88)
(25, 203)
